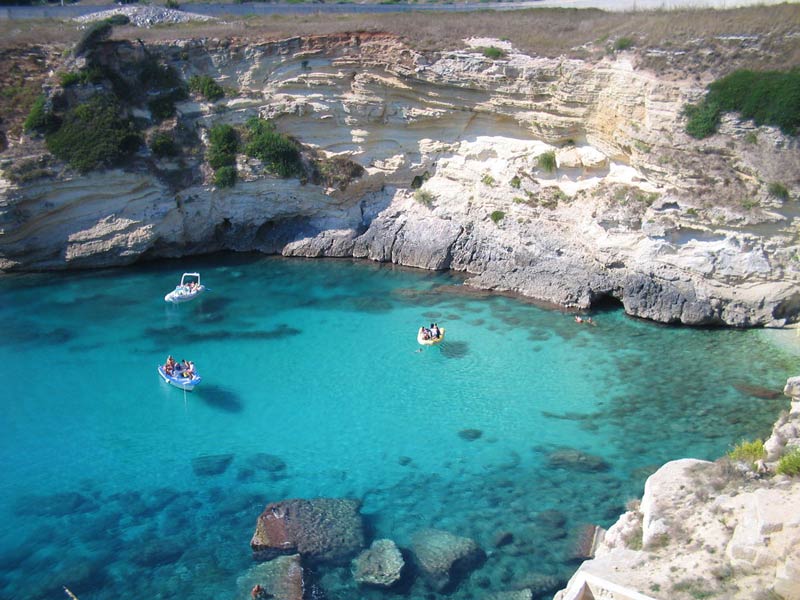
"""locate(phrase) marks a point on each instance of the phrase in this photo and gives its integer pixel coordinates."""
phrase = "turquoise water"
(314, 385)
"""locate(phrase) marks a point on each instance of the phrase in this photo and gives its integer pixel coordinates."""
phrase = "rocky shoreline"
(631, 209)
(726, 529)
(702, 529)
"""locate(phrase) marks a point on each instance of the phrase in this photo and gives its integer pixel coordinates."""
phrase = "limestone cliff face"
(678, 230)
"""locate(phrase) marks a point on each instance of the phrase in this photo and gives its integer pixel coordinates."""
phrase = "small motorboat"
(431, 341)
(188, 289)
(179, 380)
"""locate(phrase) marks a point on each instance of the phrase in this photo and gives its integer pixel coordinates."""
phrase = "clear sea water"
(314, 365)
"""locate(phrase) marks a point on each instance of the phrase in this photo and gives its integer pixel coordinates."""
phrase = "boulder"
(321, 530)
(444, 558)
(792, 388)
(281, 578)
(663, 491)
(379, 565)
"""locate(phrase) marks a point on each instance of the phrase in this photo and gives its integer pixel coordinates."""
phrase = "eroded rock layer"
(452, 146)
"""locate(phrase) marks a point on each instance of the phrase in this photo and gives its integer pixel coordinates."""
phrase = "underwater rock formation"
(320, 530)
(210, 465)
(281, 577)
(444, 558)
(380, 564)
(576, 460)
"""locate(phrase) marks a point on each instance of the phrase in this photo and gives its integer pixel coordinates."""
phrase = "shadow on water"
(456, 349)
(220, 398)
(167, 335)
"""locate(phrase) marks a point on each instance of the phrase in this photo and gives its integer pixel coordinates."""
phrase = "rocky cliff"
(703, 530)
(454, 148)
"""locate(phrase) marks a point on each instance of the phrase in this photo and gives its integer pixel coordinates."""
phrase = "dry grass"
(549, 32)
(681, 43)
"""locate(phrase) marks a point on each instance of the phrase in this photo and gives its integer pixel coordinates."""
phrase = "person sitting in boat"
(426, 333)
(436, 333)
(169, 366)
(189, 372)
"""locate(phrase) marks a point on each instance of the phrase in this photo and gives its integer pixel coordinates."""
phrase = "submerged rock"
(757, 391)
(209, 465)
(266, 462)
(381, 564)
(470, 434)
(321, 530)
(444, 558)
(282, 577)
(575, 460)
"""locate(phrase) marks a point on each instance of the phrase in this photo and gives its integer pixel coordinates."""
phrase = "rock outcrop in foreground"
(565, 180)
(703, 529)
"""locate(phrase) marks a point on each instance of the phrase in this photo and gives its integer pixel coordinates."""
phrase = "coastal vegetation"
(206, 87)
(789, 464)
(424, 197)
(280, 155)
(748, 452)
(93, 134)
(766, 97)
(547, 161)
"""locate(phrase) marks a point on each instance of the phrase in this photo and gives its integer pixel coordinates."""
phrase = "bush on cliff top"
(767, 97)
(93, 135)
(748, 452)
(789, 464)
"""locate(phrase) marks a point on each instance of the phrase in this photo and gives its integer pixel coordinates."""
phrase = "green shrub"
(225, 176)
(778, 190)
(88, 75)
(280, 155)
(40, 119)
(623, 43)
(162, 144)
(118, 20)
(487, 180)
(68, 79)
(547, 161)
(767, 97)
(789, 464)
(703, 119)
(158, 77)
(515, 182)
(206, 87)
(162, 107)
(424, 197)
(93, 135)
(223, 146)
(497, 216)
(173, 4)
(95, 34)
(748, 452)
(492, 52)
